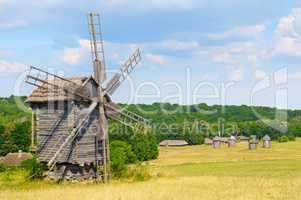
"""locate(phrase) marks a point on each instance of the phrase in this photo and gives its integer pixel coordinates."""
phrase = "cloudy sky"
(217, 51)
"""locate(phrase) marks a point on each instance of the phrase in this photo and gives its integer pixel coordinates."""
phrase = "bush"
(34, 168)
(3, 167)
(118, 165)
(153, 147)
(291, 138)
(121, 155)
(145, 146)
(130, 156)
(283, 139)
(140, 146)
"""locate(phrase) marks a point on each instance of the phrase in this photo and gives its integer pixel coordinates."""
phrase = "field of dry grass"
(197, 172)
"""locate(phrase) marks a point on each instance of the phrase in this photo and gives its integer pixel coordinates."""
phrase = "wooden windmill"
(70, 115)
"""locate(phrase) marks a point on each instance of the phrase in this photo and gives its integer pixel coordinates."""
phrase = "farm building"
(243, 138)
(208, 141)
(15, 159)
(232, 141)
(224, 140)
(216, 142)
(173, 143)
(266, 141)
(253, 142)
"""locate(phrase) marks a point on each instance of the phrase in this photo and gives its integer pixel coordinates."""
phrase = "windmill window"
(99, 146)
(56, 105)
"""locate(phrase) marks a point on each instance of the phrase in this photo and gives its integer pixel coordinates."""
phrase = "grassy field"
(197, 172)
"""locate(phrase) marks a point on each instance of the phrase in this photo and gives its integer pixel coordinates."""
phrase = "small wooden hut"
(208, 141)
(266, 142)
(243, 138)
(173, 143)
(232, 141)
(253, 143)
(216, 142)
(15, 159)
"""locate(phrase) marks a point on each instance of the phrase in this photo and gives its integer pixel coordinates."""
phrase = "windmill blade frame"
(43, 79)
(128, 66)
(97, 47)
(124, 116)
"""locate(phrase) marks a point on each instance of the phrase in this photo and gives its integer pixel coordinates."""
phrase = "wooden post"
(33, 131)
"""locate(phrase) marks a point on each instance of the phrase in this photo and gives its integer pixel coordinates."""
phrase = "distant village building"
(216, 142)
(224, 140)
(232, 141)
(173, 143)
(266, 141)
(208, 141)
(253, 143)
(15, 159)
(243, 138)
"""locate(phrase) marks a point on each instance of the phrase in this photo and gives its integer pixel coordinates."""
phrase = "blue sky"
(237, 45)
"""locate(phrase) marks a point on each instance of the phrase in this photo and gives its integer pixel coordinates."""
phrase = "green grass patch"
(263, 168)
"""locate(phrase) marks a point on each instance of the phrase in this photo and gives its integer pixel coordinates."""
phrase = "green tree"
(127, 149)
(121, 155)
(153, 147)
(140, 146)
(7, 146)
(21, 136)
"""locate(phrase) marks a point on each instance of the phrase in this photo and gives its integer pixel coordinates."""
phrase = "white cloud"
(74, 56)
(223, 57)
(242, 47)
(260, 75)
(154, 4)
(296, 75)
(288, 46)
(236, 75)
(11, 67)
(156, 59)
(180, 45)
(242, 31)
(287, 36)
(290, 26)
(6, 53)
(17, 23)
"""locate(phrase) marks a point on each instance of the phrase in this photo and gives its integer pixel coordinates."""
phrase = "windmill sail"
(124, 116)
(97, 49)
(125, 70)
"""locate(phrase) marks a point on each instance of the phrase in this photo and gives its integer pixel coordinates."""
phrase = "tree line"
(170, 121)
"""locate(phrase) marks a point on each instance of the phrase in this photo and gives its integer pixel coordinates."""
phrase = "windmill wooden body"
(70, 115)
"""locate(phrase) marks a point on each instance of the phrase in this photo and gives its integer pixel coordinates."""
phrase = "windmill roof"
(40, 95)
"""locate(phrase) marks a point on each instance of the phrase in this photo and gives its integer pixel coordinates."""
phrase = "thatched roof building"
(173, 143)
(243, 138)
(266, 138)
(216, 142)
(266, 142)
(16, 159)
(208, 141)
